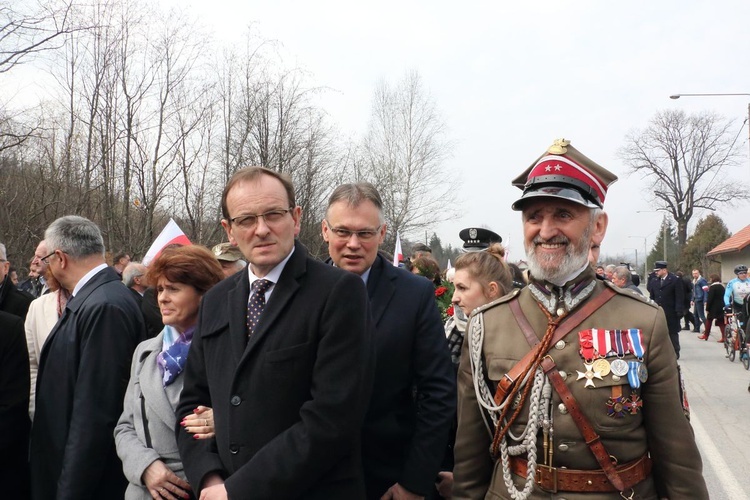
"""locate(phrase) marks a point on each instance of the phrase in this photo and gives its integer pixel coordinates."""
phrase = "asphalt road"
(720, 414)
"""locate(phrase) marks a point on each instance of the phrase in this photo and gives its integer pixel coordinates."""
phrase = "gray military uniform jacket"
(659, 428)
(146, 392)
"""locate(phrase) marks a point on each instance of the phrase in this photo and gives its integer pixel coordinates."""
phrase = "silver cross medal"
(589, 375)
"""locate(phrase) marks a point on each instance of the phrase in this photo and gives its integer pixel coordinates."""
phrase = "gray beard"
(575, 259)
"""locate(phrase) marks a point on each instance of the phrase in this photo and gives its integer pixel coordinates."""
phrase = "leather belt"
(554, 479)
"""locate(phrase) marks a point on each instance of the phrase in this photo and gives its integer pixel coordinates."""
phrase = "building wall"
(730, 260)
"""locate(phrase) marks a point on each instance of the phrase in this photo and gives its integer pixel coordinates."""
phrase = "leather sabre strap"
(575, 319)
(593, 440)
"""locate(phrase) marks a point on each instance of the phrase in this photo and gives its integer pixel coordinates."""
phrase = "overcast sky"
(510, 77)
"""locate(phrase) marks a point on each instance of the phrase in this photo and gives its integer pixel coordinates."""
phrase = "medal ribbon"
(602, 342)
(586, 341)
(633, 379)
(636, 342)
(618, 343)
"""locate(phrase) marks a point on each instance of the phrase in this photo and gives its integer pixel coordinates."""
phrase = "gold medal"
(601, 365)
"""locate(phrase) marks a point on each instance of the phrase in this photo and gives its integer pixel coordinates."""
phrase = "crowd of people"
(253, 370)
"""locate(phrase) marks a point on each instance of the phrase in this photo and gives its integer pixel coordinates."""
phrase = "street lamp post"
(664, 230)
(636, 255)
(677, 96)
(645, 256)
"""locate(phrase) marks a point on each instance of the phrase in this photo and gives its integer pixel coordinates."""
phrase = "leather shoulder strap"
(567, 325)
(593, 440)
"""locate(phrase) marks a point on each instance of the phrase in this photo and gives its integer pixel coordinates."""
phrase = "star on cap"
(576, 177)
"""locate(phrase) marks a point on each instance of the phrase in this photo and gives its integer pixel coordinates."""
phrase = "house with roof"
(732, 252)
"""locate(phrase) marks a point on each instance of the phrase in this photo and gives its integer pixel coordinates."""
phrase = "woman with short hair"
(145, 433)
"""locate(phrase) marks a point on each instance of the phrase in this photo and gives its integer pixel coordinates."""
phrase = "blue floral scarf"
(173, 355)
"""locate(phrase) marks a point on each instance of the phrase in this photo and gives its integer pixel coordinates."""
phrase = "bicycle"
(735, 340)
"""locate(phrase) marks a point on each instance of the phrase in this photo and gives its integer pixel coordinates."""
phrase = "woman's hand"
(163, 483)
(201, 423)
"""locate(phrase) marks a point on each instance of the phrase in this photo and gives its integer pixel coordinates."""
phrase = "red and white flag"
(170, 235)
(398, 255)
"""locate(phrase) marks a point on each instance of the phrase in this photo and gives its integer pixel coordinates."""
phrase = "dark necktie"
(257, 303)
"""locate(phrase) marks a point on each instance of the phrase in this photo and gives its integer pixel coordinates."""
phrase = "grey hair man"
(622, 277)
(36, 284)
(132, 277)
(83, 370)
(609, 271)
(12, 300)
(403, 443)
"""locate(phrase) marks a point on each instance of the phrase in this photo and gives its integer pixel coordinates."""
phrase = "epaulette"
(502, 300)
(626, 292)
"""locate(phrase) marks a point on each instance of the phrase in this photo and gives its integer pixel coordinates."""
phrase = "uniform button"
(560, 345)
(562, 408)
(234, 449)
(563, 374)
(562, 447)
(560, 311)
(236, 400)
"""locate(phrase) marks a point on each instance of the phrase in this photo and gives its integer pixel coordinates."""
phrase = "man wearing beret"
(668, 291)
(570, 385)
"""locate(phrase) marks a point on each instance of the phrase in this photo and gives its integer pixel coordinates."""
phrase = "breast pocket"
(612, 405)
(288, 354)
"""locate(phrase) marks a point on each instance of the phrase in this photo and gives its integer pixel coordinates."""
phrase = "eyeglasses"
(249, 221)
(345, 234)
(45, 259)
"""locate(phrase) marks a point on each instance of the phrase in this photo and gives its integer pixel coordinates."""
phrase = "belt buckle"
(546, 475)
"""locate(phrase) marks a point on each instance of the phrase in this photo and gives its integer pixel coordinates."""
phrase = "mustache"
(557, 240)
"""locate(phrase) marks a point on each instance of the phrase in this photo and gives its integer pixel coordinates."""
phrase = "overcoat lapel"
(380, 287)
(283, 292)
(154, 392)
(237, 313)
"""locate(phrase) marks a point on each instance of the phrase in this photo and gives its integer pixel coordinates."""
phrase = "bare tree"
(403, 154)
(683, 158)
(27, 28)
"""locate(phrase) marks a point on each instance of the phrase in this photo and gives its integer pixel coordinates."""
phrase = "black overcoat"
(289, 402)
(669, 293)
(84, 369)
(14, 407)
(413, 403)
(13, 300)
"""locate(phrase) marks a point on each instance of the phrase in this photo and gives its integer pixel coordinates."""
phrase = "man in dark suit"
(282, 354)
(406, 430)
(83, 370)
(668, 291)
(14, 405)
(12, 300)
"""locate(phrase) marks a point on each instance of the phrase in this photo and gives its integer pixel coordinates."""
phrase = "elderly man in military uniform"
(569, 387)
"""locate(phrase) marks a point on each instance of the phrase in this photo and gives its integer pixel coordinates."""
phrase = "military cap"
(227, 252)
(564, 172)
(478, 238)
(660, 264)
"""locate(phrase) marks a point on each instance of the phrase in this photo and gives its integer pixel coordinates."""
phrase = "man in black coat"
(282, 353)
(668, 291)
(12, 300)
(14, 406)
(83, 371)
(407, 427)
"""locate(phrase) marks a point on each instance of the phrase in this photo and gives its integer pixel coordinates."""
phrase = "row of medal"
(596, 345)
